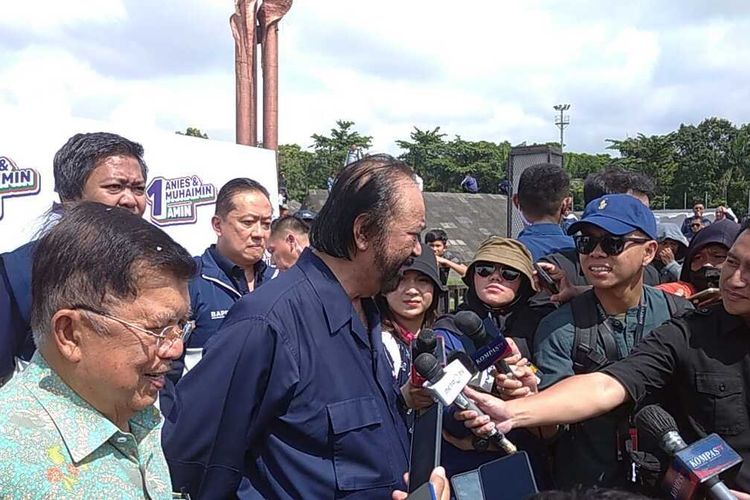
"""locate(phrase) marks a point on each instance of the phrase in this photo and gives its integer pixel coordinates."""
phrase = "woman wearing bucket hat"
(408, 309)
(501, 285)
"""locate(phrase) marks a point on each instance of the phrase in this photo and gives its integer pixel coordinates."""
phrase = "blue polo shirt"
(545, 239)
(295, 394)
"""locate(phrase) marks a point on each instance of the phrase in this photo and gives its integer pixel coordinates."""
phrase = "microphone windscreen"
(428, 366)
(655, 422)
(470, 324)
(426, 341)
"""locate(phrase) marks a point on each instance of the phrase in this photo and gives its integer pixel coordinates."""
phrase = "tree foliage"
(294, 163)
(193, 132)
(709, 160)
(329, 152)
(443, 164)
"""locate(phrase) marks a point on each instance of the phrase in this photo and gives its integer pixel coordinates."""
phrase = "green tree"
(653, 155)
(704, 161)
(580, 165)
(487, 161)
(443, 164)
(193, 132)
(294, 163)
(329, 151)
(426, 153)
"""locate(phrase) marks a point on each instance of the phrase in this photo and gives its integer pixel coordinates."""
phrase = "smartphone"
(467, 486)
(424, 492)
(508, 477)
(705, 297)
(427, 436)
(546, 280)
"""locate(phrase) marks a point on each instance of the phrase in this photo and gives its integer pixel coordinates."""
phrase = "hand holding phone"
(705, 297)
(546, 280)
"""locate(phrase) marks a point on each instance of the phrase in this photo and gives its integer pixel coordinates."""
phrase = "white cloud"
(482, 70)
(43, 16)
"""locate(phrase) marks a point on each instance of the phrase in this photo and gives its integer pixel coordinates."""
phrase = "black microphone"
(655, 422)
(426, 342)
(428, 366)
(471, 325)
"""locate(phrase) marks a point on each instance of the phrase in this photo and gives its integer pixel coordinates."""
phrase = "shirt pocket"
(359, 460)
(720, 403)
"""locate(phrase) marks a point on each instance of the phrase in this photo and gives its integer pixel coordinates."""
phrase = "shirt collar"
(337, 306)
(230, 268)
(233, 270)
(82, 428)
(545, 228)
(336, 303)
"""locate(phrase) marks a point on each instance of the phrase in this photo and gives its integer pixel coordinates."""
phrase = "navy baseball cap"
(618, 214)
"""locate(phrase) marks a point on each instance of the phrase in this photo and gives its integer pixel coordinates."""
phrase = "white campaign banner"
(184, 177)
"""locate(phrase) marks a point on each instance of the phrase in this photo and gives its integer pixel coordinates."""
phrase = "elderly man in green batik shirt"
(109, 309)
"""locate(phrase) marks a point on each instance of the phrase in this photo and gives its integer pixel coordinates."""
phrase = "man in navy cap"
(615, 240)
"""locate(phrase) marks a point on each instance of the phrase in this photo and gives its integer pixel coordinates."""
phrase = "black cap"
(426, 264)
(306, 215)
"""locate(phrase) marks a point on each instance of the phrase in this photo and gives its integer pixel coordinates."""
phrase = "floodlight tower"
(562, 121)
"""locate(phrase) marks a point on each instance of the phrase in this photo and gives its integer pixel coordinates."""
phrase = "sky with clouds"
(482, 69)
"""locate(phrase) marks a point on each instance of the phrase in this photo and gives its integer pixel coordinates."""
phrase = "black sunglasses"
(485, 270)
(611, 245)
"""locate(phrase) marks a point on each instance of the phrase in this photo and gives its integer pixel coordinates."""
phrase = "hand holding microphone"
(696, 465)
(499, 352)
(447, 385)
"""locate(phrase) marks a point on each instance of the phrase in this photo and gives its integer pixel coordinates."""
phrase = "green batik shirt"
(53, 444)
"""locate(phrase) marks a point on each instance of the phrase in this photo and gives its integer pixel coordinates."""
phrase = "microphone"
(447, 384)
(490, 351)
(426, 342)
(699, 463)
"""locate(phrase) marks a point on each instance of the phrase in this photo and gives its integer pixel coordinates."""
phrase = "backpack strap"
(586, 358)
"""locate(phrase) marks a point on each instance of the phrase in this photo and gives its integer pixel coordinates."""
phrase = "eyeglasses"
(486, 270)
(165, 339)
(611, 245)
(696, 225)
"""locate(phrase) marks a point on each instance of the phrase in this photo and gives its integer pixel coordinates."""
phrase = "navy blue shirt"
(470, 184)
(295, 394)
(545, 239)
(15, 307)
(234, 272)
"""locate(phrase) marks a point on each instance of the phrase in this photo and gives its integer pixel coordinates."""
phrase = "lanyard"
(640, 320)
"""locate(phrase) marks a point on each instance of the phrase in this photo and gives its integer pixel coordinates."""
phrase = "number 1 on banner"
(155, 195)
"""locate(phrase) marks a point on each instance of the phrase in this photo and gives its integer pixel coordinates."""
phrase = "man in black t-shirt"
(701, 358)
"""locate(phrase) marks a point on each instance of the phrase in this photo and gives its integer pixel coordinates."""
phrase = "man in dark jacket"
(99, 167)
(234, 266)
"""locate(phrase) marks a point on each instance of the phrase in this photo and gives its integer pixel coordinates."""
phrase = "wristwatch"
(480, 443)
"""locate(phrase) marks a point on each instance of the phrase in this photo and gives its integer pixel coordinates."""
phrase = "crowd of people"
(278, 363)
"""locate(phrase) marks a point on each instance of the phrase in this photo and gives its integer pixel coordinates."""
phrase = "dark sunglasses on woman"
(486, 269)
(611, 245)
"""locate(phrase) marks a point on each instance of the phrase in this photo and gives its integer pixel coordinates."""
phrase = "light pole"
(562, 121)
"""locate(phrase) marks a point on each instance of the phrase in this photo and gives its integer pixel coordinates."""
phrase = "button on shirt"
(545, 239)
(295, 394)
(55, 445)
